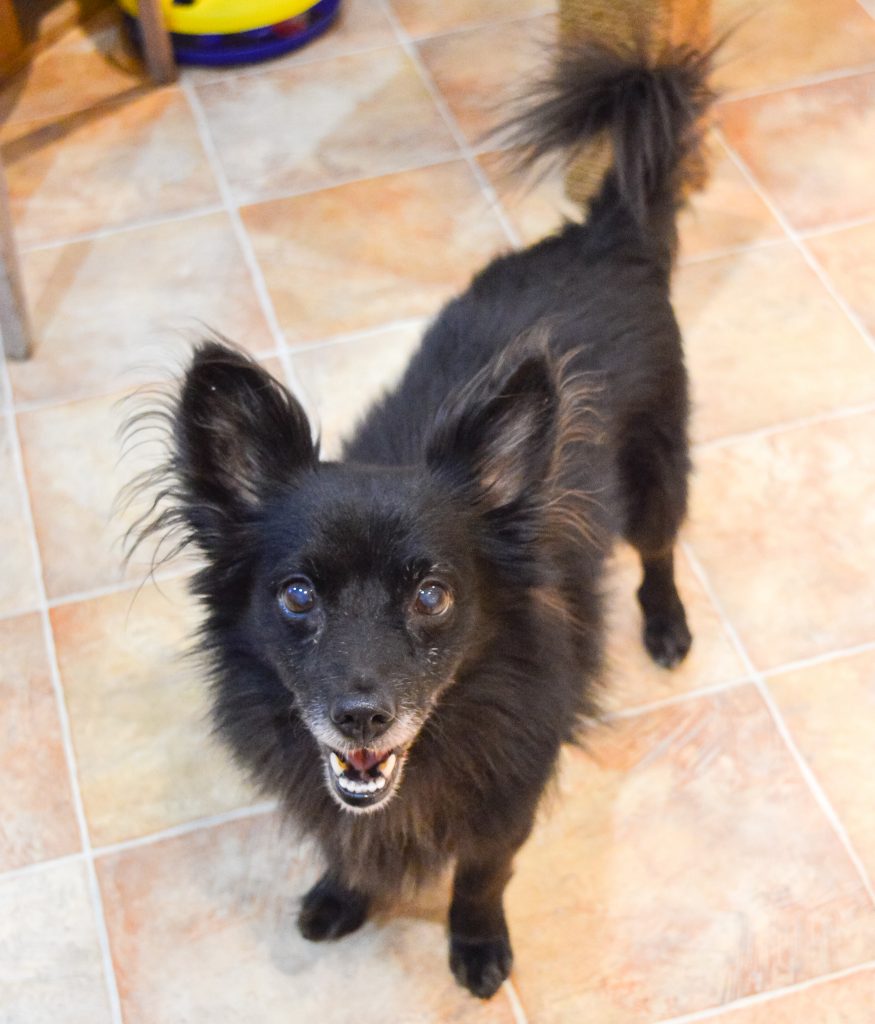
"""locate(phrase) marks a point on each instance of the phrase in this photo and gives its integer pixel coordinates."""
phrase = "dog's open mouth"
(364, 778)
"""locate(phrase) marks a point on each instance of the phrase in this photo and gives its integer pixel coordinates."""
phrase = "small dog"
(401, 641)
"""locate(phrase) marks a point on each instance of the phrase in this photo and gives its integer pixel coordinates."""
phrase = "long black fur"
(544, 414)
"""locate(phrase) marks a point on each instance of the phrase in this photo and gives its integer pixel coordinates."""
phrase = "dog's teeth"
(380, 783)
(337, 766)
(388, 766)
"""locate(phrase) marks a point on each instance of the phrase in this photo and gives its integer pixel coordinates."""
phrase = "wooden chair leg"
(157, 47)
(14, 324)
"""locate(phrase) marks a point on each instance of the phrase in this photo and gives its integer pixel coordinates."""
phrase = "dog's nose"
(362, 716)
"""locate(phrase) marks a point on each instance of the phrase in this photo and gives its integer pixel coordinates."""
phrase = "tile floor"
(710, 856)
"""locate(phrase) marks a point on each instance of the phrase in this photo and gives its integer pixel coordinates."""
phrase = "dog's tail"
(650, 110)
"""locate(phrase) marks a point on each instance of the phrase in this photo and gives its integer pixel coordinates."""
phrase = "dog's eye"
(432, 598)
(297, 597)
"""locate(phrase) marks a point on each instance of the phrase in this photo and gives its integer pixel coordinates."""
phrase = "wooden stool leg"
(14, 324)
(157, 47)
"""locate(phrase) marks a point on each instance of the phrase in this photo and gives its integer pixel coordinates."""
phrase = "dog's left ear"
(238, 435)
(497, 439)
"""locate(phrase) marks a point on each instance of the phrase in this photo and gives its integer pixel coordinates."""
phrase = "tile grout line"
(186, 828)
(347, 337)
(39, 866)
(303, 60)
(621, 714)
(516, 1005)
(137, 842)
(805, 769)
(64, 720)
(759, 998)
(797, 240)
(709, 255)
(475, 27)
(243, 239)
(110, 231)
(802, 82)
(126, 387)
(121, 587)
(844, 412)
(835, 227)
(492, 199)
(236, 73)
(819, 659)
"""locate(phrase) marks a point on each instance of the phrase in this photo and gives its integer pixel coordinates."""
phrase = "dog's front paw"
(329, 911)
(480, 967)
(667, 638)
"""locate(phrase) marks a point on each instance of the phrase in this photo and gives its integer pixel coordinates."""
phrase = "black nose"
(362, 716)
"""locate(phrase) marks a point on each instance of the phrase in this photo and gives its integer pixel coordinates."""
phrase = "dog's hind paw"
(329, 911)
(480, 967)
(667, 638)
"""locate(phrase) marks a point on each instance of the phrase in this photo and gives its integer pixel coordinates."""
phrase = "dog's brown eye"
(432, 598)
(297, 597)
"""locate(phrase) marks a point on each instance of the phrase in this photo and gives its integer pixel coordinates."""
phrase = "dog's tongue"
(363, 760)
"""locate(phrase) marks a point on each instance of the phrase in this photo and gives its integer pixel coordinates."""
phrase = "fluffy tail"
(650, 110)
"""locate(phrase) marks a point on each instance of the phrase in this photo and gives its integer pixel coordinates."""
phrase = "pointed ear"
(496, 440)
(238, 434)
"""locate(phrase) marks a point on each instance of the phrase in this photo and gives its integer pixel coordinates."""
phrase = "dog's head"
(363, 587)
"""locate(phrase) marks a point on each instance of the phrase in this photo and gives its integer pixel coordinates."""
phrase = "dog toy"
(217, 32)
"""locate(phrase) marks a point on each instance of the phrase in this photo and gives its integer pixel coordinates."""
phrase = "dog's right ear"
(496, 438)
(238, 434)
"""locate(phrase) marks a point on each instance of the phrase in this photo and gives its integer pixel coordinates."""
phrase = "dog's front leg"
(480, 952)
(331, 910)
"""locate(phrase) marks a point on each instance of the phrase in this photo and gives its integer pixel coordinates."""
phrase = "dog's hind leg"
(654, 464)
(330, 910)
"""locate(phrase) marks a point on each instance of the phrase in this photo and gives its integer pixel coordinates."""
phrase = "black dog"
(401, 641)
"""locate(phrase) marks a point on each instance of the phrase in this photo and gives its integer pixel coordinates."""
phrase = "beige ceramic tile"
(38, 822)
(342, 381)
(346, 118)
(830, 710)
(726, 214)
(684, 864)
(535, 202)
(360, 25)
(139, 714)
(18, 580)
(50, 963)
(785, 528)
(113, 310)
(106, 167)
(75, 470)
(812, 148)
(632, 678)
(89, 64)
(843, 1001)
(766, 343)
(781, 41)
(202, 928)
(849, 258)
(427, 17)
(482, 70)
(372, 252)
